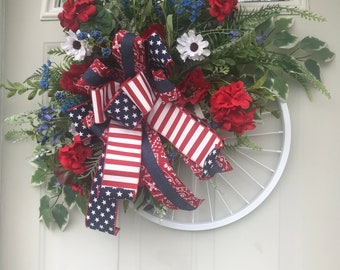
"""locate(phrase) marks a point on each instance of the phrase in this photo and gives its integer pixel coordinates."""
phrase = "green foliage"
(60, 215)
(45, 212)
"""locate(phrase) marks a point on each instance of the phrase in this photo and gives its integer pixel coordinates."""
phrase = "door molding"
(50, 9)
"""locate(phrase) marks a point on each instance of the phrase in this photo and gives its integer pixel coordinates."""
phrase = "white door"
(281, 234)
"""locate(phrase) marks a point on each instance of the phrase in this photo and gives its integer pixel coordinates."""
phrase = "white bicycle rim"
(231, 196)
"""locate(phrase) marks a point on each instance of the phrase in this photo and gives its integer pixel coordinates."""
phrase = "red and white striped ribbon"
(123, 157)
(140, 92)
(190, 137)
(100, 98)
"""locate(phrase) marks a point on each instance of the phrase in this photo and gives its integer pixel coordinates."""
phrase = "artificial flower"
(72, 157)
(193, 88)
(152, 28)
(230, 108)
(75, 47)
(75, 12)
(70, 78)
(222, 8)
(192, 46)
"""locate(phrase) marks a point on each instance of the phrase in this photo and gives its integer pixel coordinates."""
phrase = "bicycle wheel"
(232, 195)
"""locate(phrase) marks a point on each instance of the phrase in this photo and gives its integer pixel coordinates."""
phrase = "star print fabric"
(102, 208)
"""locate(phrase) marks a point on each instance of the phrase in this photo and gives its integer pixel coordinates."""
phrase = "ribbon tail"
(122, 162)
(101, 210)
(193, 139)
(218, 164)
(160, 178)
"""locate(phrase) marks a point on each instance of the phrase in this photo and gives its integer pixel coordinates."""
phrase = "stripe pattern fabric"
(122, 158)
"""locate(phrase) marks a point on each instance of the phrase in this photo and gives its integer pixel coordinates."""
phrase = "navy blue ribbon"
(127, 55)
(158, 177)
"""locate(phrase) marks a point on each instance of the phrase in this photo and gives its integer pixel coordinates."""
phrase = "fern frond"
(250, 19)
(56, 51)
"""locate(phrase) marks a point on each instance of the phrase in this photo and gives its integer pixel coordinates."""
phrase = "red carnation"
(194, 88)
(72, 157)
(75, 12)
(70, 78)
(222, 8)
(230, 107)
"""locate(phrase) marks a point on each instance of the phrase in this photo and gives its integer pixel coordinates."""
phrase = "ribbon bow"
(128, 115)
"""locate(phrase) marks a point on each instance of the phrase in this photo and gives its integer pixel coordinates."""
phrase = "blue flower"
(233, 35)
(55, 139)
(171, 155)
(45, 76)
(106, 51)
(260, 39)
(214, 125)
(46, 113)
(96, 35)
(157, 8)
(60, 95)
(43, 127)
(82, 35)
(194, 7)
(44, 140)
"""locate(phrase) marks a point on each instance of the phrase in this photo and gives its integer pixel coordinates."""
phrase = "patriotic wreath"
(143, 83)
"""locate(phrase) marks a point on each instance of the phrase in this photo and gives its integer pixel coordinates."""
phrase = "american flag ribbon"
(102, 208)
(140, 92)
(100, 98)
(123, 157)
(190, 137)
(160, 57)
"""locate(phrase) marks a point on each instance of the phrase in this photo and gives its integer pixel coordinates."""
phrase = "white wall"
(295, 229)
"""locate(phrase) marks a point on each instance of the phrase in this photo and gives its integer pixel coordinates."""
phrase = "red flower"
(152, 28)
(194, 88)
(78, 189)
(70, 78)
(72, 157)
(75, 12)
(222, 8)
(230, 108)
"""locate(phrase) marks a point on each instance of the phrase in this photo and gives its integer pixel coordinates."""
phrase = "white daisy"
(192, 46)
(75, 47)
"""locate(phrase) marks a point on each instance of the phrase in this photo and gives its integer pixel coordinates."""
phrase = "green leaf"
(313, 67)
(53, 187)
(81, 202)
(32, 94)
(11, 93)
(140, 200)
(38, 177)
(169, 29)
(311, 44)
(277, 86)
(45, 213)
(69, 196)
(102, 21)
(263, 27)
(281, 87)
(324, 55)
(259, 82)
(284, 23)
(60, 215)
(21, 88)
(284, 40)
